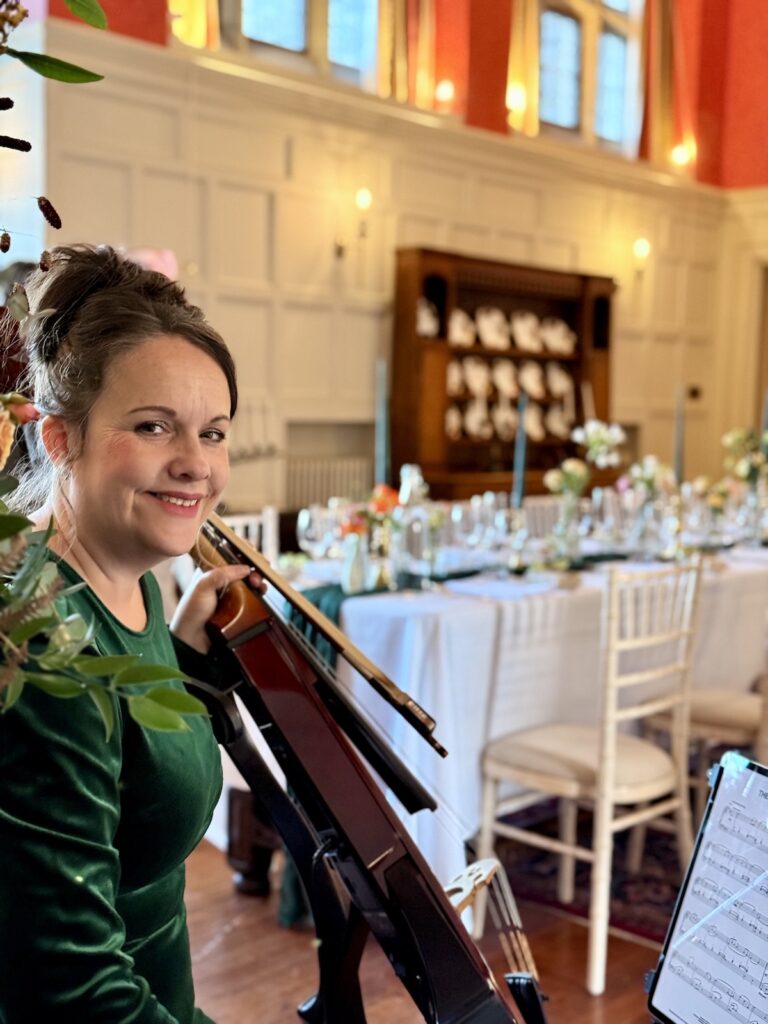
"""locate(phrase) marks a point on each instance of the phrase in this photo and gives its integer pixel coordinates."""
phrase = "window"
(586, 79)
(611, 86)
(559, 69)
(336, 34)
(277, 22)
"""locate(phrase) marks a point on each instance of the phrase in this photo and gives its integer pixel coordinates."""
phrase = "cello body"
(360, 869)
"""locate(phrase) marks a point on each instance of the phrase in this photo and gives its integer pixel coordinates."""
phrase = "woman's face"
(154, 460)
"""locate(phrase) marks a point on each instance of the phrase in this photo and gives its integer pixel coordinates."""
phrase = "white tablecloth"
(530, 653)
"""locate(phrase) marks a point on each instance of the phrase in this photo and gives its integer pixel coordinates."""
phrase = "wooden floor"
(248, 970)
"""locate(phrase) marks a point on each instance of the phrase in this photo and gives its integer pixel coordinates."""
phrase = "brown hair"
(93, 305)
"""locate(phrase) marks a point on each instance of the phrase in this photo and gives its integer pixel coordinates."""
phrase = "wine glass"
(312, 531)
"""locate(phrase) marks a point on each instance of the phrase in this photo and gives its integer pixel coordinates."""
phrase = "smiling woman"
(137, 393)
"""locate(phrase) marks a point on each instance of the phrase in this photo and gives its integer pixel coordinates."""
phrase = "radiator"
(314, 480)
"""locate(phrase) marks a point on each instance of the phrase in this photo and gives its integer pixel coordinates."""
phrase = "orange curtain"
(669, 92)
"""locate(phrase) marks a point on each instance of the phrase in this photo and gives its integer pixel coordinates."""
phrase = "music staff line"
(730, 820)
(729, 944)
(715, 994)
(739, 912)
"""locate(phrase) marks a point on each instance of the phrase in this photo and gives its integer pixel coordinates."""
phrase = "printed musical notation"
(715, 970)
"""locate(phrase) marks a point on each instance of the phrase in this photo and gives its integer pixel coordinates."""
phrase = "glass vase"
(644, 538)
(567, 542)
(751, 518)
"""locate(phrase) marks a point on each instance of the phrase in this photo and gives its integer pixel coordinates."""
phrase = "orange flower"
(383, 499)
(6, 436)
(353, 524)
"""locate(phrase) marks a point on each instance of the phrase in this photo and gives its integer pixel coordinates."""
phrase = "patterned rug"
(641, 904)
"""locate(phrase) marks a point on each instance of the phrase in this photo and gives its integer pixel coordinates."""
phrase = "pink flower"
(24, 413)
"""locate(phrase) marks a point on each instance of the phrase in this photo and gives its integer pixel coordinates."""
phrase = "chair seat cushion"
(725, 708)
(568, 756)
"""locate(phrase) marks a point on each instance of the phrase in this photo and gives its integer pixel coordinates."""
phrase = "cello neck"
(223, 545)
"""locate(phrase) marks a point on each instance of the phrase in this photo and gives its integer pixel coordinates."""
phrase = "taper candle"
(679, 450)
(381, 428)
(518, 477)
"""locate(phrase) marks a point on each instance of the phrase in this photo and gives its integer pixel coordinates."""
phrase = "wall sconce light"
(641, 250)
(363, 203)
(445, 94)
(516, 101)
(684, 153)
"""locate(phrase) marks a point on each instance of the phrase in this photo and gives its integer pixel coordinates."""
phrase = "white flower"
(600, 440)
(700, 485)
(741, 469)
(553, 481)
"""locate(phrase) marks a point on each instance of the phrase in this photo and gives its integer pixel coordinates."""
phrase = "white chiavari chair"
(626, 780)
(720, 717)
(261, 529)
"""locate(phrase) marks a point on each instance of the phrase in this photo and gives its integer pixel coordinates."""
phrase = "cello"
(361, 871)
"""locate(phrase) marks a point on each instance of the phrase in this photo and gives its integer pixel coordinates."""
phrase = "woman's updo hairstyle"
(95, 305)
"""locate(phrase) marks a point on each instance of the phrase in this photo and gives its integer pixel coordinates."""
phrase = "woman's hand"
(199, 601)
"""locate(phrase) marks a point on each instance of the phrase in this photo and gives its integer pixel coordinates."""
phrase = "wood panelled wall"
(249, 174)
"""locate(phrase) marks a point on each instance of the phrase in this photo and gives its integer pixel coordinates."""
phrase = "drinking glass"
(312, 530)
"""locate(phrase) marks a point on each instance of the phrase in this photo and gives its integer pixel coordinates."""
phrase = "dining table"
(491, 653)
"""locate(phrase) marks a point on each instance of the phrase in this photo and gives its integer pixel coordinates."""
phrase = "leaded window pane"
(352, 30)
(280, 23)
(559, 69)
(611, 87)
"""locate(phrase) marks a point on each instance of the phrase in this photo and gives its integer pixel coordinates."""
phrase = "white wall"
(249, 175)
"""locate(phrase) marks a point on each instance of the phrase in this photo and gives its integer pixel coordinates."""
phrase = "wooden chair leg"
(566, 873)
(600, 902)
(701, 789)
(636, 846)
(484, 849)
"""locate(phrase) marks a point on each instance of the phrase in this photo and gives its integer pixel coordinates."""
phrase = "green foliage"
(89, 11)
(52, 67)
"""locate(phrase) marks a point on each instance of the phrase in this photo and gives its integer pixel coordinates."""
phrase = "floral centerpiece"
(745, 455)
(601, 442)
(745, 461)
(652, 478)
(651, 482)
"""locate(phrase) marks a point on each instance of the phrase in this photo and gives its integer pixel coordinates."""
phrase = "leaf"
(178, 700)
(55, 685)
(26, 579)
(147, 674)
(12, 524)
(89, 11)
(107, 665)
(154, 716)
(8, 484)
(103, 702)
(52, 67)
(11, 694)
(29, 629)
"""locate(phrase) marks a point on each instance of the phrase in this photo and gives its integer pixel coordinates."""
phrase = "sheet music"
(715, 967)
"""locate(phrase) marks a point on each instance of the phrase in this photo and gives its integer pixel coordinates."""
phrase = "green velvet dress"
(93, 839)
